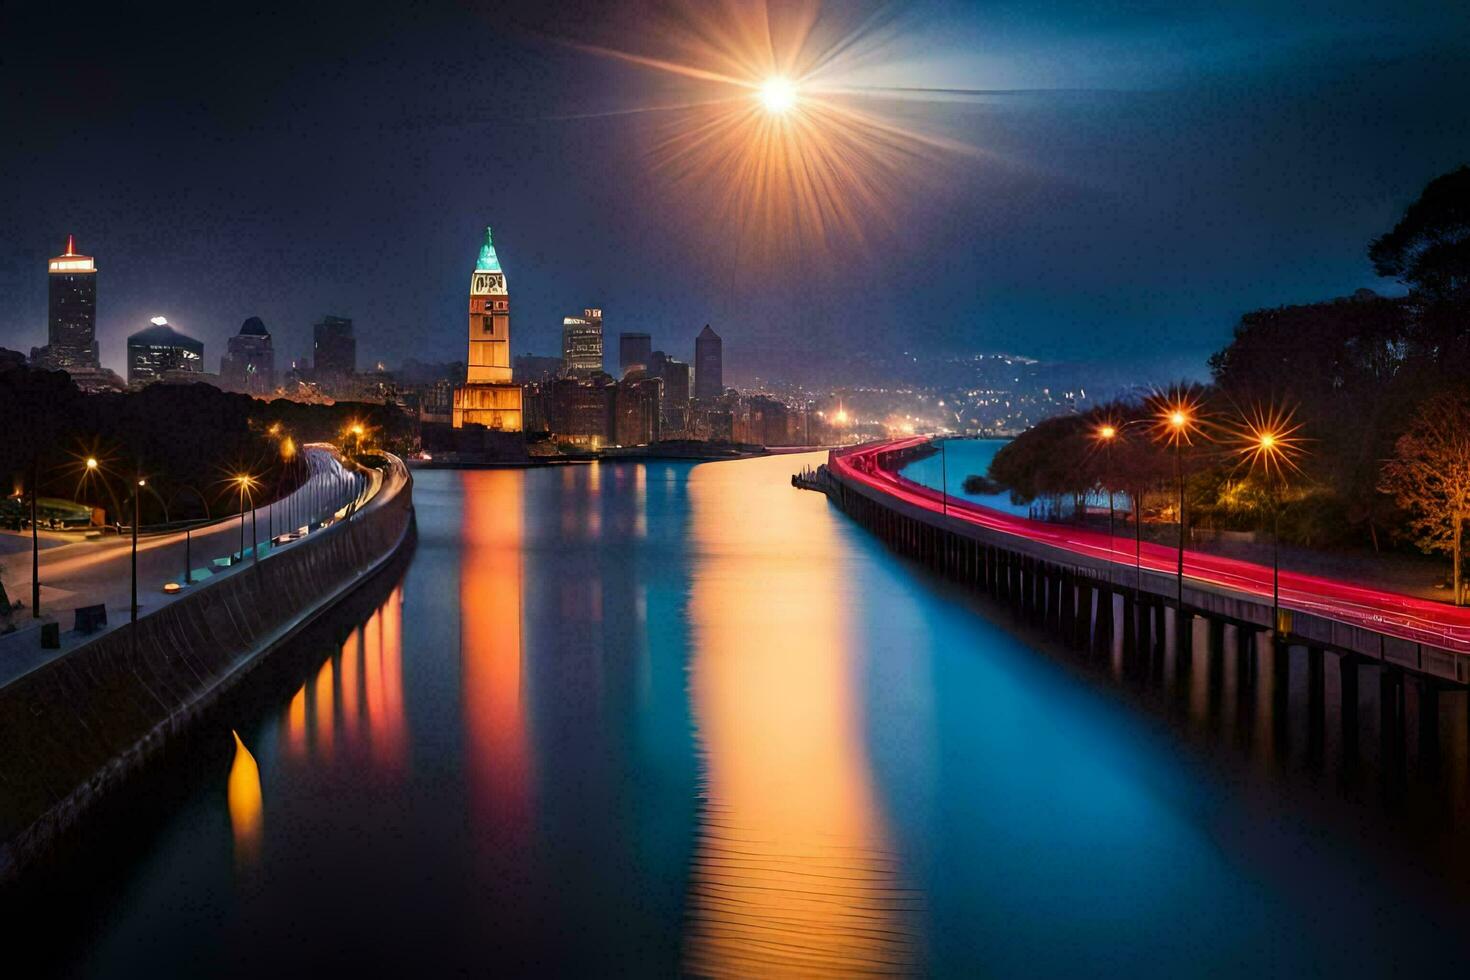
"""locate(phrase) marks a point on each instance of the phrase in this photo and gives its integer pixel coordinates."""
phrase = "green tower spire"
(489, 261)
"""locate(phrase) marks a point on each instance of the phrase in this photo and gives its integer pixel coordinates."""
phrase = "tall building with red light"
(71, 326)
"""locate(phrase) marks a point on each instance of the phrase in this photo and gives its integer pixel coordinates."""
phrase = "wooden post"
(1391, 715)
(1316, 704)
(1347, 666)
(1428, 721)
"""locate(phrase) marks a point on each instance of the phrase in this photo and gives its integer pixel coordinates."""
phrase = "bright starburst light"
(775, 124)
(778, 95)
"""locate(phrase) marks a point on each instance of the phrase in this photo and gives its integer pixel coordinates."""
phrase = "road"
(98, 570)
(1392, 613)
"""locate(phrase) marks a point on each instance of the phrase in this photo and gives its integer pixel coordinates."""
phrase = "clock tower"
(488, 397)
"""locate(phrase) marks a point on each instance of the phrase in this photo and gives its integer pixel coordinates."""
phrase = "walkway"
(98, 571)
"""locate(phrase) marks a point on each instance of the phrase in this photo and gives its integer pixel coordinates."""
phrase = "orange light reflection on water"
(497, 748)
(793, 866)
(244, 800)
(353, 706)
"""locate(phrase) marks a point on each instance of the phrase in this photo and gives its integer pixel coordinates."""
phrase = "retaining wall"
(75, 727)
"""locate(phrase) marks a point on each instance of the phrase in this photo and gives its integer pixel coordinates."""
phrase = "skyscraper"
(638, 410)
(581, 343)
(249, 364)
(489, 397)
(334, 351)
(634, 350)
(159, 349)
(709, 358)
(675, 376)
(71, 326)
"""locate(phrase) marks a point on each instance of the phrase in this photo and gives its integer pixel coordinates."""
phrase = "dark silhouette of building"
(71, 324)
(158, 352)
(581, 344)
(249, 364)
(634, 350)
(675, 376)
(768, 421)
(709, 359)
(638, 408)
(334, 352)
(580, 410)
(530, 369)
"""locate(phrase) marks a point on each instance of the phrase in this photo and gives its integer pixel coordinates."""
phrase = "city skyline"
(1016, 241)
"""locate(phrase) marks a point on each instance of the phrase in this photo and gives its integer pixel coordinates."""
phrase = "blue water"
(663, 718)
(959, 458)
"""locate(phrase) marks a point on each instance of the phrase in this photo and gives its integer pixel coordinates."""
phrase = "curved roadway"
(1392, 613)
(98, 571)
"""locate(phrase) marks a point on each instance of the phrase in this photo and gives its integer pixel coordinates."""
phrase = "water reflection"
(243, 794)
(498, 753)
(354, 701)
(675, 717)
(794, 872)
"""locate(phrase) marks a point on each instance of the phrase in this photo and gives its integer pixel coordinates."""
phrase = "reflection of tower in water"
(492, 682)
(793, 870)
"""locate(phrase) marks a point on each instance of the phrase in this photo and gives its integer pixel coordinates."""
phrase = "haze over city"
(1135, 176)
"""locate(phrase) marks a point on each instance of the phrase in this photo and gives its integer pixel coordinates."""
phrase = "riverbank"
(73, 729)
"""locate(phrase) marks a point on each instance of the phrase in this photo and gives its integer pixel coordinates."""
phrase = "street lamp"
(137, 511)
(1177, 422)
(943, 477)
(1106, 433)
(1109, 433)
(1269, 446)
(245, 482)
(288, 453)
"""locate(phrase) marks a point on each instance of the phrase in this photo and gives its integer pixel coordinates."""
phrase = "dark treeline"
(187, 441)
(1366, 381)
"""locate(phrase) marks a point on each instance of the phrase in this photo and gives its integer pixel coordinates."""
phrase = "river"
(660, 718)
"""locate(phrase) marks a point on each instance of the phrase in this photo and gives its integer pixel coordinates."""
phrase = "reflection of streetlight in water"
(245, 804)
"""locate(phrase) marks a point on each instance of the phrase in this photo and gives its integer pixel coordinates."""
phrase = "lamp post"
(943, 477)
(1179, 420)
(137, 512)
(288, 454)
(189, 530)
(1107, 433)
(244, 481)
(1270, 445)
(35, 540)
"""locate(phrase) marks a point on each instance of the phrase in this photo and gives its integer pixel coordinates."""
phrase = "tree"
(1430, 476)
(1429, 249)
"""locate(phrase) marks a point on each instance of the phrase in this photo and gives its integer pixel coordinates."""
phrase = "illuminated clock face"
(488, 284)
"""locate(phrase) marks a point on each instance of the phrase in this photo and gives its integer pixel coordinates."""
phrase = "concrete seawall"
(75, 728)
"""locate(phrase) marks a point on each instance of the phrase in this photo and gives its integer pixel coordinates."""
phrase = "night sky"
(1159, 169)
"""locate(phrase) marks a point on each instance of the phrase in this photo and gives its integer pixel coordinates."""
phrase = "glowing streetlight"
(288, 453)
(137, 516)
(1178, 419)
(91, 462)
(1107, 434)
(246, 483)
(1268, 445)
